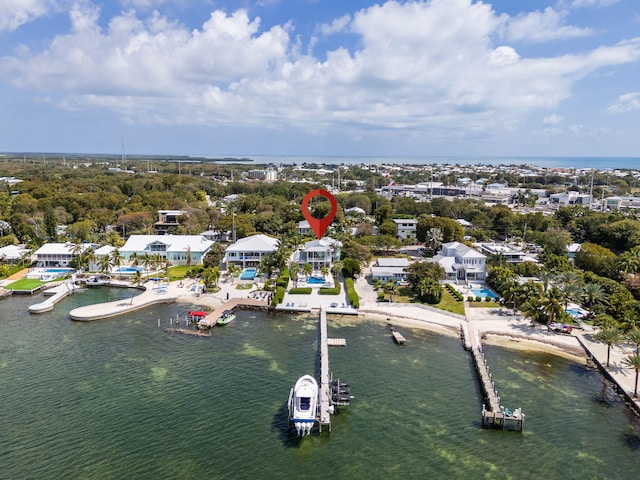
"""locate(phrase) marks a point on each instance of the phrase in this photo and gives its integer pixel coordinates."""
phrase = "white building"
(390, 270)
(319, 253)
(12, 253)
(461, 263)
(176, 249)
(510, 254)
(248, 251)
(406, 228)
(304, 228)
(57, 254)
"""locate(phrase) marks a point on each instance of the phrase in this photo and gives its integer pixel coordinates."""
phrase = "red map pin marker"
(319, 225)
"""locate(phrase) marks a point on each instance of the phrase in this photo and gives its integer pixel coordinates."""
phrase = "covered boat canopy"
(198, 314)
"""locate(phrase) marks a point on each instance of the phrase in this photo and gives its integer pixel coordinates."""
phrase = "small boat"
(204, 324)
(227, 317)
(303, 404)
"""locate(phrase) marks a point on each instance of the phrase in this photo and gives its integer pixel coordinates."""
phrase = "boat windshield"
(305, 403)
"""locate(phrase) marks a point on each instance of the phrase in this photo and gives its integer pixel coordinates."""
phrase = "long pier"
(325, 386)
(496, 416)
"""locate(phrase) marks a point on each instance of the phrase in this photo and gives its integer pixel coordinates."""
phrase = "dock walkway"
(325, 386)
(215, 315)
(495, 416)
(55, 295)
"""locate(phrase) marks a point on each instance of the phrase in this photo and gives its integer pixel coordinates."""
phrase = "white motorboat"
(303, 404)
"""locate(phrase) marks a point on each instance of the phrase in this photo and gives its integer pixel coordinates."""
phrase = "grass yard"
(450, 304)
(25, 284)
(178, 272)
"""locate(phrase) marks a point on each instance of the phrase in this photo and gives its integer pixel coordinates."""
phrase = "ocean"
(122, 398)
(600, 163)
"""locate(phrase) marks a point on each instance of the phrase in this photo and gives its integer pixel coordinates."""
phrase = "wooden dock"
(214, 316)
(495, 416)
(325, 386)
(397, 336)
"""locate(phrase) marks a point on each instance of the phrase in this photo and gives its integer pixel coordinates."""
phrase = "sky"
(321, 77)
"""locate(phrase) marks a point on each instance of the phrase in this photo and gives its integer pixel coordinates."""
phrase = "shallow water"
(121, 398)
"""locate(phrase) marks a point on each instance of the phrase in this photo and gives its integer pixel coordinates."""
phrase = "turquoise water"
(129, 269)
(248, 274)
(315, 281)
(483, 292)
(121, 398)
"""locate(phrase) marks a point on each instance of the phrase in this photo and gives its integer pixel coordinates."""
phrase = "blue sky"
(316, 77)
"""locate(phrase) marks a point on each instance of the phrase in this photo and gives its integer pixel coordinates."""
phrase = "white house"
(248, 251)
(319, 253)
(12, 253)
(510, 254)
(461, 262)
(176, 249)
(390, 270)
(304, 228)
(406, 228)
(57, 254)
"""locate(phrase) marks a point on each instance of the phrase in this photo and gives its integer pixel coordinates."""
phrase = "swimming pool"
(128, 269)
(46, 274)
(56, 270)
(248, 274)
(575, 312)
(315, 281)
(483, 292)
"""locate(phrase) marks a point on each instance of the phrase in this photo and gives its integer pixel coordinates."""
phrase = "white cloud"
(542, 27)
(592, 3)
(626, 103)
(418, 66)
(14, 13)
(553, 119)
(338, 25)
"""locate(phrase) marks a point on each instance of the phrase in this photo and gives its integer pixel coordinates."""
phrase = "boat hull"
(303, 404)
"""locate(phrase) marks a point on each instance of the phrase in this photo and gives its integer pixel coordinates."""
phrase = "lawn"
(491, 304)
(178, 272)
(25, 284)
(450, 304)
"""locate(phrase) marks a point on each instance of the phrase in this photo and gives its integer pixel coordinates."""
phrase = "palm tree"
(434, 239)
(633, 361)
(552, 304)
(268, 264)
(324, 270)
(147, 261)
(533, 308)
(232, 269)
(136, 280)
(611, 336)
(593, 293)
(294, 269)
(630, 261)
(116, 258)
(546, 278)
(391, 289)
(210, 276)
(511, 292)
(633, 336)
(105, 264)
(307, 269)
(134, 259)
(336, 268)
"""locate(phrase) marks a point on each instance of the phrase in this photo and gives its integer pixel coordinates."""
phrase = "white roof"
(574, 247)
(393, 262)
(324, 244)
(405, 220)
(174, 243)
(255, 243)
(355, 210)
(104, 250)
(387, 271)
(55, 249)
(12, 252)
(303, 224)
